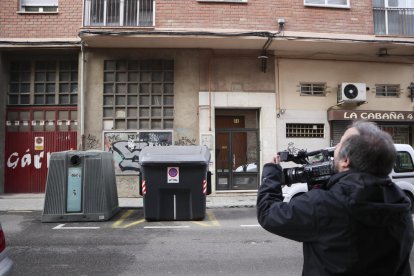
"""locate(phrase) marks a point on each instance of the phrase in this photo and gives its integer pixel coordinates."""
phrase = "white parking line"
(166, 227)
(61, 227)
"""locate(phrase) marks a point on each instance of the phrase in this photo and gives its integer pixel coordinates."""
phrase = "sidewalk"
(35, 202)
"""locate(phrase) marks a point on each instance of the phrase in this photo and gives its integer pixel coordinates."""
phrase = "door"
(32, 134)
(237, 154)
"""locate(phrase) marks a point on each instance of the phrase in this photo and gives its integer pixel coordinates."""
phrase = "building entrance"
(237, 150)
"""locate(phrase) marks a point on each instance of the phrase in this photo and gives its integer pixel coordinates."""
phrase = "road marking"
(166, 227)
(118, 223)
(211, 218)
(61, 226)
(250, 225)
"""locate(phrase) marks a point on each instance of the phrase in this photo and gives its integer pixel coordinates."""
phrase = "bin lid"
(174, 154)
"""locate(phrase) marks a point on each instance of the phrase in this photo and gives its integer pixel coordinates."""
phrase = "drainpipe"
(82, 97)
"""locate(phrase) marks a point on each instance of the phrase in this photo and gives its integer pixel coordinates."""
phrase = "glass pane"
(133, 100)
(121, 88)
(144, 112)
(144, 88)
(50, 99)
(338, 2)
(25, 87)
(168, 76)
(157, 76)
(168, 112)
(14, 88)
(39, 99)
(51, 76)
(156, 100)
(64, 99)
(13, 99)
(74, 88)
(222, 152)
(39, 88)
(108, 112)
(25, 99)
(120, 124)
(38, 115)
(156, 124)
(63, 115)
(133, 88)
(109, 77)
(133, 76)
(132, 112)
(168, 88)
(108, 88)
(40, 76)
(121, 77)
(144, 124)
(156, 112)
(132, 124)
(120, 100)
(64, 87)
(108, 100)
(156, 88)
(144, 100)
(50, 88)
(168, 124)
(64, 76)
(168, 100)
(73, 99)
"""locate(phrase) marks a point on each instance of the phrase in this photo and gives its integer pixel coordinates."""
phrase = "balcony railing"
(394, 21)
(119, 13)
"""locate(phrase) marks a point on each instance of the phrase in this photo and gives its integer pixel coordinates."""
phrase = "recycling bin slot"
(174, 182)
(80, 186)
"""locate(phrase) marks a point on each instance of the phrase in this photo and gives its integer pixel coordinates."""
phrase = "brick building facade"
(245, 78)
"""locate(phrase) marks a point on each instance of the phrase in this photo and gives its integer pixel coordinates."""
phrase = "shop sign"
(371, 115)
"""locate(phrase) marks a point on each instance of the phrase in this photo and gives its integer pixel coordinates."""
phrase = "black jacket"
(360, 225)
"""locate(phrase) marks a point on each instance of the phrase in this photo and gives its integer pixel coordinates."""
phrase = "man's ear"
(345, 163)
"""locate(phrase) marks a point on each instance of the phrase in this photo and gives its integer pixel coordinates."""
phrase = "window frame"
(39, 7)
(327, 5)
(385, 91)
(305, 130)
(312, 92)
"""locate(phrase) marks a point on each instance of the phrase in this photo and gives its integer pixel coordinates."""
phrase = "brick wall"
(181, 14)
(263, 15)
(66, 23)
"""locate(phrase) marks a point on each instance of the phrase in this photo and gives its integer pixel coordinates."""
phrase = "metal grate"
(386, 90)
(304, 130)
(312, 89)
(119, 13)
(138, 94)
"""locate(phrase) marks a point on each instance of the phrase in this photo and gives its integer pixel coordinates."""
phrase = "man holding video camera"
(359, 223)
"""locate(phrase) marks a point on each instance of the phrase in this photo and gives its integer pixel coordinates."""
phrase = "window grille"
(313, 89)
(385, 90)
(48, 82)
(138, 94)
(304, 130)
(39, 5)
(119, 13)
(328, 3)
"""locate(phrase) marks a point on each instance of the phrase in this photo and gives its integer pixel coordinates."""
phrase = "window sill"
(225, 1)
(328, 6)
(35, 12)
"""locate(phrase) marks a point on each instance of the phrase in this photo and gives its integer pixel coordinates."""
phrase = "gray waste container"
(81, 186)
(174, 182)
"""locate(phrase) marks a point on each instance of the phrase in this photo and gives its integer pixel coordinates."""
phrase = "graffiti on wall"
(127, 145)
(91, 142)
(15, 160)
(185, 141)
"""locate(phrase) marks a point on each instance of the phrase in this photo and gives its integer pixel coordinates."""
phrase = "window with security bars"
(50, 82)
(386, 90)
(138, 94)
(313, 89)
(304, 130)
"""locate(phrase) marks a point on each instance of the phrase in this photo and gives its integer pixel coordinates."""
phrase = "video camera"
(317, 167)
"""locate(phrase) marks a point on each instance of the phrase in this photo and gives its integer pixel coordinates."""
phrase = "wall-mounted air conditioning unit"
(352, 92)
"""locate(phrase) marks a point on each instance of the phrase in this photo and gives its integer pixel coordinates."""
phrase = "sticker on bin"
(173, 174)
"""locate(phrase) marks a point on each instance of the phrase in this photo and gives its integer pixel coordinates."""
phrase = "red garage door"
(32, 134)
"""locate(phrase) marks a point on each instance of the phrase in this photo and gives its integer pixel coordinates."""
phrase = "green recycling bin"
(80, 186)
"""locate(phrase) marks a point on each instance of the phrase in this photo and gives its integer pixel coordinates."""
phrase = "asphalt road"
(228, 242)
